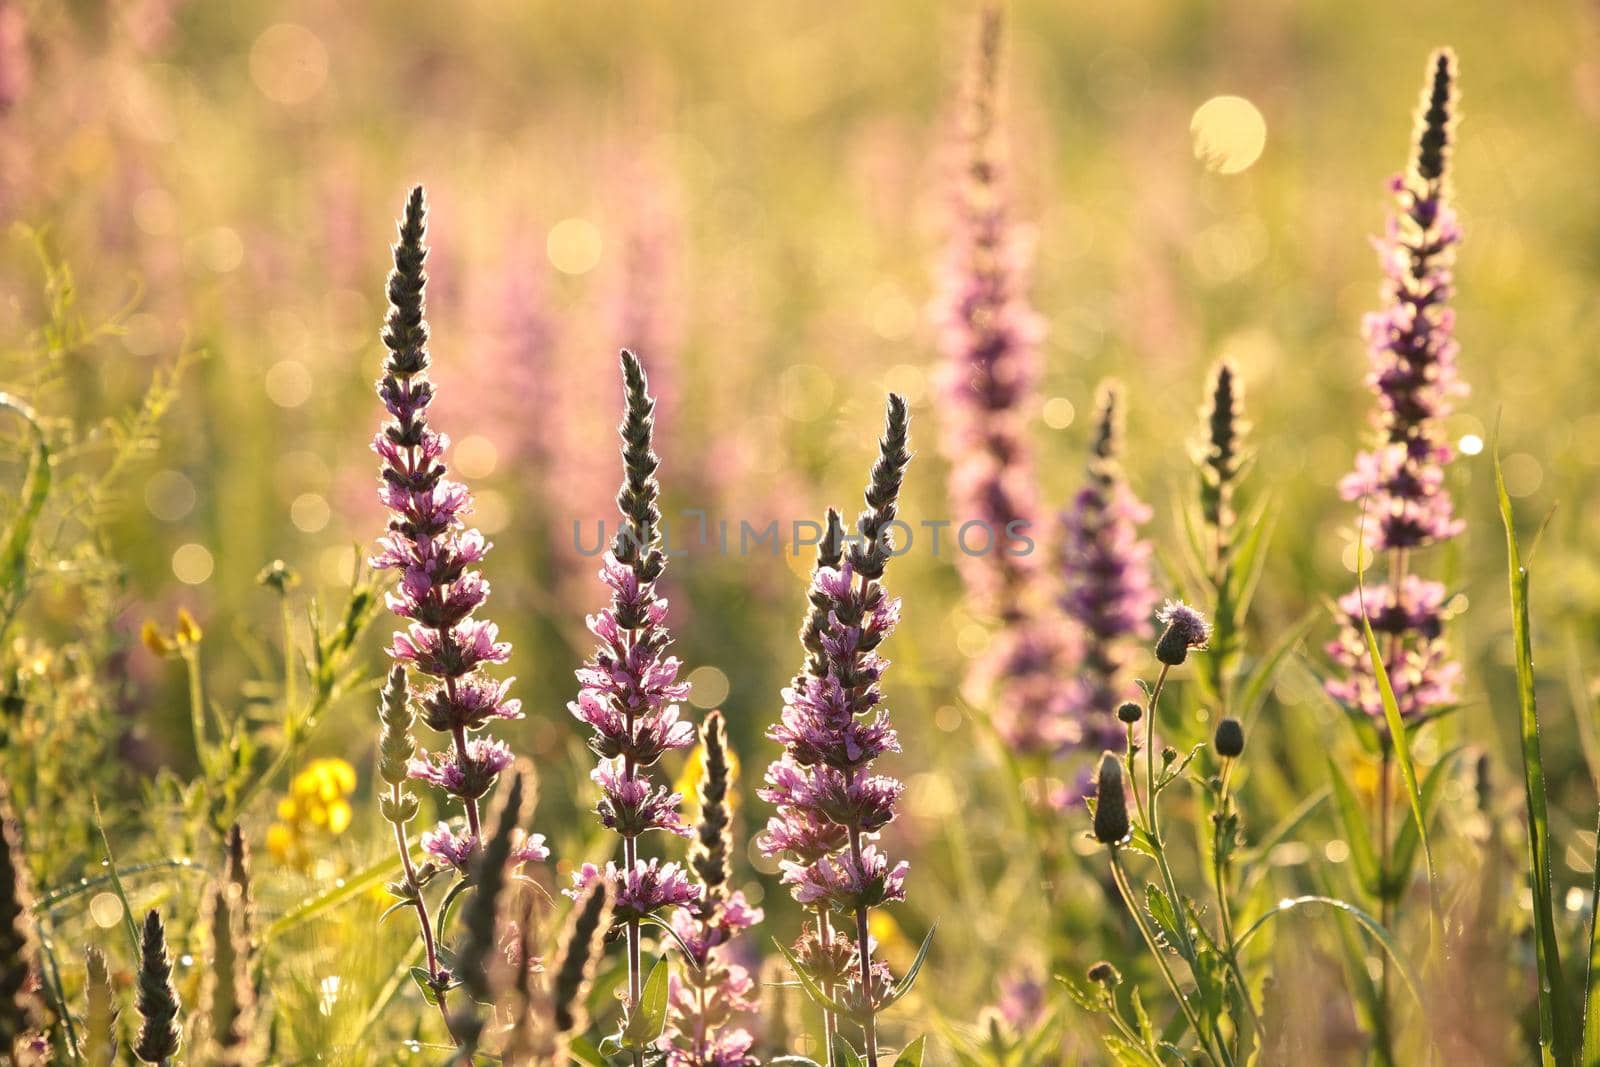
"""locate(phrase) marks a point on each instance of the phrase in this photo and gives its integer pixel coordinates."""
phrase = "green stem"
(1121, 879)
(289, 671)
(197, 707)
(1219, 869)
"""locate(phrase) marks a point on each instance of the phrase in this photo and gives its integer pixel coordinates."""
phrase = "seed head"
(160, 1034)
(580, 948)
(1130, 712)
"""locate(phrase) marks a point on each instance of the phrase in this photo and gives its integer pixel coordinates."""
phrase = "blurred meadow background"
(756, 198)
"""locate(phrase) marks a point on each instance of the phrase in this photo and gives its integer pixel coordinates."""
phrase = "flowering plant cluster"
(133, 928)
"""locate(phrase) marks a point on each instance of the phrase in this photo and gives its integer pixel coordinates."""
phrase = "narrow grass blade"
(35, 490)
(1373, 928)
(1591, 990)
(116, 882)
(346, 890)
(1556, 1030)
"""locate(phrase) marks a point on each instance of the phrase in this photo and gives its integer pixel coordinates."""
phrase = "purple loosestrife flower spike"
(629, 688)
(1109, 595)
(434, 552)
(159, 1033)
(989, 337)
(1400, 481)
(830, 806)
(21, 1010)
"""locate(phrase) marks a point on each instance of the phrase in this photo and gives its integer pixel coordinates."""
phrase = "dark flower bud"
(1111, 803)
(1185, 628)
(1130, 713)
(1168, 755)
(1230, 738)
(1103, 973)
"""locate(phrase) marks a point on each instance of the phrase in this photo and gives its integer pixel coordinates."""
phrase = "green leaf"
(653, 1001)
(844, 1055)
(911, 1055)
(1556, 1031)
(584, 1051)
(1126, 1054)
(649, 1017)
(1089, 998)
(425, 983)
(1356, 830)
(1165, 916)
(902, 987)
(1372, 926)
(1141, 1018)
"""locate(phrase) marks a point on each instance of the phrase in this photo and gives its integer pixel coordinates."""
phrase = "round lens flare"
(1229, 134)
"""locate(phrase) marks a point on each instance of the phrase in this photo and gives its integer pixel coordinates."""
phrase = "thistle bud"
(1103, 973)
(1185, 628)
(1229, 738)
(1130, 713)
(1111, 804)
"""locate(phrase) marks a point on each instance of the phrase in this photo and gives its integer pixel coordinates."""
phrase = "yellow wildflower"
(314, 808)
